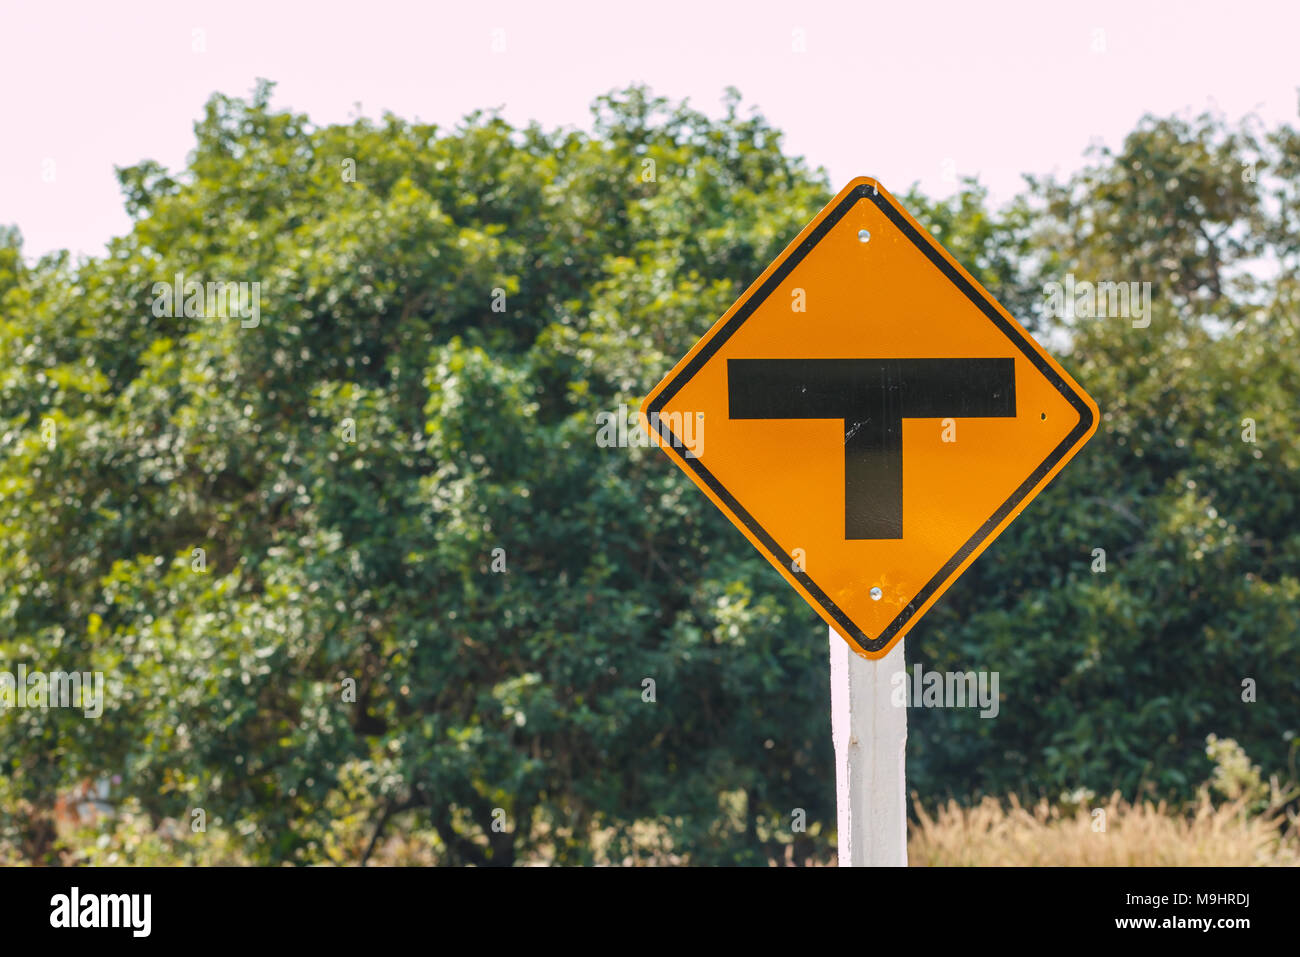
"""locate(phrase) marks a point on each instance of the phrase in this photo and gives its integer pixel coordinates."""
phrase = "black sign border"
(930, 248)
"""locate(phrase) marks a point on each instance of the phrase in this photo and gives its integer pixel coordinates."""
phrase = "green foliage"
(1115, 679)
(330, 560)
(358, 466)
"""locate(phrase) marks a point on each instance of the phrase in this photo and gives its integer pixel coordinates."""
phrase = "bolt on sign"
(875, 418)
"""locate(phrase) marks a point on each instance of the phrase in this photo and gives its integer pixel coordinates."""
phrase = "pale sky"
(903, 91)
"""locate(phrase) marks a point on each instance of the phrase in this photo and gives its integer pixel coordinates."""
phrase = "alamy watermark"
(214, 300)
(945, 689)
(57, 689)
(628, 427)
(127, 911)
(1099, 300)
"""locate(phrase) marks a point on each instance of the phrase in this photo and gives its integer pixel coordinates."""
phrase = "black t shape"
(872, 397)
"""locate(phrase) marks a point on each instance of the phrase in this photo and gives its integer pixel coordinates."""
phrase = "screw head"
(876, 593)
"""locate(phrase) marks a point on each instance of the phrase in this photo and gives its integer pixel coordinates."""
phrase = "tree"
(353, 560)
(427, 596)
(1115, 677)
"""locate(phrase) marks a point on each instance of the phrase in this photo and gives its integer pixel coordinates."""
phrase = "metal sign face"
(875, 419)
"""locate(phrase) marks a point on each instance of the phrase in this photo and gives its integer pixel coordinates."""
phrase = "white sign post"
(870, 736)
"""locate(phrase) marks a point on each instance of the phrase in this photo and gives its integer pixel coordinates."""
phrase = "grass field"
(1113, 833)
(1238, 819)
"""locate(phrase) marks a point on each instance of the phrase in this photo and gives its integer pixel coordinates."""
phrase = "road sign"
(874, 419)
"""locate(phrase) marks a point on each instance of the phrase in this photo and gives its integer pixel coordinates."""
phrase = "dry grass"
(1245, 823)
(1139, 834)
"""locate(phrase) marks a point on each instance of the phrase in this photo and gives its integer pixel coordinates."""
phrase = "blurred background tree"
(428, 601)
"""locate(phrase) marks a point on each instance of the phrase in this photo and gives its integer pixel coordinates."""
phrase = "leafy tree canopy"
(427, 597)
